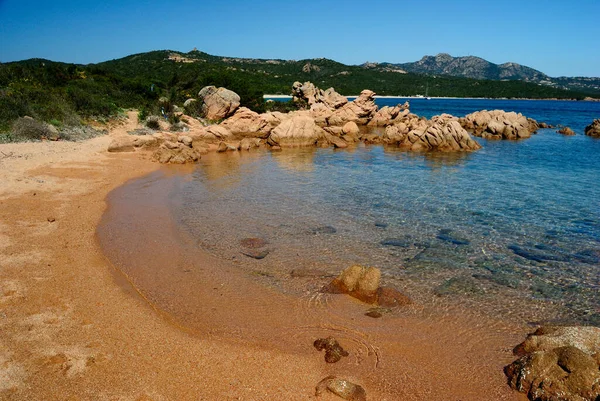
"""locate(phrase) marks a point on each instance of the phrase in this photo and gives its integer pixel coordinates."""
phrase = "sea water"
(516, 220)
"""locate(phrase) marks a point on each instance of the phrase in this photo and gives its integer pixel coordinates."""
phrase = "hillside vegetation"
(69, 94)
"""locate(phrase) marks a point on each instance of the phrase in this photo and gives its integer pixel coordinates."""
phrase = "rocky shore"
(328, 120)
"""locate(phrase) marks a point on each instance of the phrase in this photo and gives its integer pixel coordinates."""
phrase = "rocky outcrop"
(442, 133)
(300, 130)
(498, 124)
(247, 123)
(360, 111)
(274, 118)
(387, 114)
(218, 103)
(558, 363)
(180, 152)
(313, 95)
(593, 129)
(214, 134)
(129, 143)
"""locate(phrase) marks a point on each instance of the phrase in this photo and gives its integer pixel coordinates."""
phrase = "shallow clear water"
(514, 220)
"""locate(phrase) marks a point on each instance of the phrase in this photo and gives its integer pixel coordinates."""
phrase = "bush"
(285, 107)
(153, 122)
(29, 129)
(193, 108)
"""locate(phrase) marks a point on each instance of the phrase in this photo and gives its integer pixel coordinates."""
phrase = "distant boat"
(427, 92)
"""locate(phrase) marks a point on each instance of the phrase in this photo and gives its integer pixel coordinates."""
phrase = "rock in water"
(342, 388)
(593, 129)
(256, 253)
(562, 374)
(498, 124)
(586, 338)
(298, 131)
(558, 363)
(333, 350)
(253, 243)
(390, 298)
(357, 281)
(324, 230)
(566, 131)
(363, 283)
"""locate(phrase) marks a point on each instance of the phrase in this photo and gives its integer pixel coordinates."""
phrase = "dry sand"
(72, 329)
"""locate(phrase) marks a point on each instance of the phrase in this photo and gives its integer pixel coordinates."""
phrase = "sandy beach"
(73, 327)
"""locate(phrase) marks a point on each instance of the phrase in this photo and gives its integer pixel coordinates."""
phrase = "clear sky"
(560, 38)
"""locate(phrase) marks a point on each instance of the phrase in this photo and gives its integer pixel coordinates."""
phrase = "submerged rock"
(333, 350)
(342, 388)
(253, 243)
(458, 285)
(390, 298)
(536, 254)
(324, 230)
(397, 242)
(256, 253)
(447, 236)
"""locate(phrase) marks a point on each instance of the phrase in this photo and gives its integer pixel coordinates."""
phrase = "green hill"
(69, 93)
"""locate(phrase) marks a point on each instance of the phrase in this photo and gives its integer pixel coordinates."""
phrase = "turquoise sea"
(515, 224)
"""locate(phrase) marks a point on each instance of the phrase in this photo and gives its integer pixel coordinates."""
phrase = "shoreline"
(442, 98)
(74, 327)
(415, 339)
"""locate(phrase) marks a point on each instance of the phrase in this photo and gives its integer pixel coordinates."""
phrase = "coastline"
(444, 98)
(75, 328)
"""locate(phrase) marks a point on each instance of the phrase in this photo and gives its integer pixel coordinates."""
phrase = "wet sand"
(192, 327)
(413, 353)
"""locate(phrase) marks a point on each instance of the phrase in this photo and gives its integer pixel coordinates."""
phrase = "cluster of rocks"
(593, 129)
(498, 124)
(558, 363)
(329, 120)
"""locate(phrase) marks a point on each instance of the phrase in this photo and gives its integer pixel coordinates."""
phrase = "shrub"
(153, 122)
(193, 108)
(29, 129)
(285, 107)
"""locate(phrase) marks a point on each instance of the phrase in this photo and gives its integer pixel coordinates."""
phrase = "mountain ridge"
(474, 67)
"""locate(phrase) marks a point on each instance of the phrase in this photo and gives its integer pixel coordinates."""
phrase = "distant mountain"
(478, 68)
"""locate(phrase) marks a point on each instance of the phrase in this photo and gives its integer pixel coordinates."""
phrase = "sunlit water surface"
(513, 224)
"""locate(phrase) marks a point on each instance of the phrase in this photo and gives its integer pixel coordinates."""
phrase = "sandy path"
(68, 331)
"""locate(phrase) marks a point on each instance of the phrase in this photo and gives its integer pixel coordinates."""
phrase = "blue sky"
(556, 37)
